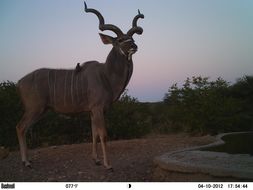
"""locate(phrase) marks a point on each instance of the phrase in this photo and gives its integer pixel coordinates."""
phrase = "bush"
(128, 119)
(56, 129)
(199, 106)
(52, 129)
(205, 107)
(10, 113)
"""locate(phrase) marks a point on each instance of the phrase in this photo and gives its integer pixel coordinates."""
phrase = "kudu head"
(123, 43)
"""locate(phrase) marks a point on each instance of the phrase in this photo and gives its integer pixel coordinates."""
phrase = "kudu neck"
(116, 56)
(119, 71)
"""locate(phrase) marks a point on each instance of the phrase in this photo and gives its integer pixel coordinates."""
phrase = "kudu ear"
(106, 39)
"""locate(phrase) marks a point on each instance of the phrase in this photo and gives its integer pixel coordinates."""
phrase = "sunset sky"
(181, 38)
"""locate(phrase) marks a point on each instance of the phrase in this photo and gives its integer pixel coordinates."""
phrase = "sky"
(181, 38)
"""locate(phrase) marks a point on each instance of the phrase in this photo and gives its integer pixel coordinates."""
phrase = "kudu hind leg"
(27, 120)
(98, 129)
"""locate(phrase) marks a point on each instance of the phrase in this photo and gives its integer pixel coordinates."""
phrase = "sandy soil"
(131, 159)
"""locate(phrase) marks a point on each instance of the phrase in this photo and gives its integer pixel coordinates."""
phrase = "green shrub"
(128, 119)
(10, 113)
(205, 107)
(199, 106)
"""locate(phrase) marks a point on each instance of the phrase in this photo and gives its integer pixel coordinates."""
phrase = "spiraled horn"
(102, 25)
(136, 29)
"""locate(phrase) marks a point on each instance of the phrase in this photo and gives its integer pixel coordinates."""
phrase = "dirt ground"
(131, 159)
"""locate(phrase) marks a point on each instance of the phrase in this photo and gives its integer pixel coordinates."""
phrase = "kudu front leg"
(94, 145)
(98, 129)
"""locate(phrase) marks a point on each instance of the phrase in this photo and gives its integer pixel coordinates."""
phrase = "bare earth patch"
(132, 160)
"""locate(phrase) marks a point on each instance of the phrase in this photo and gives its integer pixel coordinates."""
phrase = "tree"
(203, 106)
(128, 118)
(243, 91)
(10, 113)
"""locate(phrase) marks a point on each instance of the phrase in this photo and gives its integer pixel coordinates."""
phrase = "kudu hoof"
(109, 170)
(97, 162)
(27, 164)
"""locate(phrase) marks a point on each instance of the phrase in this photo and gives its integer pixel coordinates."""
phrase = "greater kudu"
(91, 87)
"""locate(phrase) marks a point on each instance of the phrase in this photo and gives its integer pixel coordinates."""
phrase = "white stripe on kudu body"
(71, 86)
(65, 87)
(77, 85)
(55, 83)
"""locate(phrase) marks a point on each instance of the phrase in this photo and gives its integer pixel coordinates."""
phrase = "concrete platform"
(195, 165)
